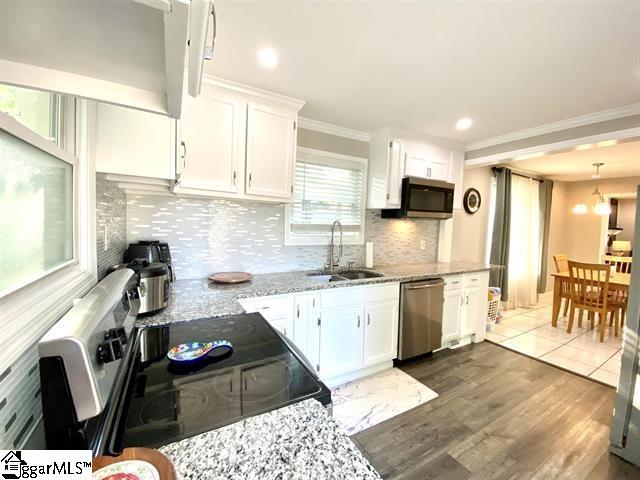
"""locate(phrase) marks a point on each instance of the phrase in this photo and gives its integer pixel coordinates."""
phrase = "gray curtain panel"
(501, 232)
(546, 193)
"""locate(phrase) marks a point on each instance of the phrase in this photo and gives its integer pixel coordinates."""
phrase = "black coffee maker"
(152, 251)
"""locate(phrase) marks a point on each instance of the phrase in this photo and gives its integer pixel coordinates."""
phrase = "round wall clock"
(471, 201)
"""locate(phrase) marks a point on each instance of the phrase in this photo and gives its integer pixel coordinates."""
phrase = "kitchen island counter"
(200, 298)
(300, 441)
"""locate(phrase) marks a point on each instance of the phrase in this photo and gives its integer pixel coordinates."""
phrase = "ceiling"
(621, 160)
(422, 65)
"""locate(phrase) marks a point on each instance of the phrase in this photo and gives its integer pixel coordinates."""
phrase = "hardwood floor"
(499, 416)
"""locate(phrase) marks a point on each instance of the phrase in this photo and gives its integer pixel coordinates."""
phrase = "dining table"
(617, 281)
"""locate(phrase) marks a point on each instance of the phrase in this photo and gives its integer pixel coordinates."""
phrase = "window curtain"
(546, 194)
(500, 238)
(524, 242)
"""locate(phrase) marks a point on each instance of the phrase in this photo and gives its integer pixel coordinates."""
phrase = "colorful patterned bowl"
(194, 351)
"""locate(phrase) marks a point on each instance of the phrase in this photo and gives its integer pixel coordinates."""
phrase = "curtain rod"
(515, 172)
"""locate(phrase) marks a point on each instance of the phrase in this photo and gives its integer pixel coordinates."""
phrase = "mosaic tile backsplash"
(210, 235)
(111, 223)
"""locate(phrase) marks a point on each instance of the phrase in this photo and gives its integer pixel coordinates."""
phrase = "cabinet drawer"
(473, 279)
(270, 307)
(340, 297)
(378, 293)
(454, 282)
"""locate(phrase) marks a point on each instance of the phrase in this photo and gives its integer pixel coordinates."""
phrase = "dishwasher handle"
(429, 284)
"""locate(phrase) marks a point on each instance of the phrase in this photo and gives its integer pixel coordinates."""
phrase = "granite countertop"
(195, 299)
(300, 441)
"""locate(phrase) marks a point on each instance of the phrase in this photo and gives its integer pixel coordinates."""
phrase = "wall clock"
(471, 201)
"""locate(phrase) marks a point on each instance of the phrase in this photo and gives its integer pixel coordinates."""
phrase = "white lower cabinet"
(465, 307)
(343, 332)
(380, 332)
(340, 341)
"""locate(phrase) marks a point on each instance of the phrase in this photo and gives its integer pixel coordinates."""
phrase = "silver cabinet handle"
(297, 311)
(285, 331)
(368, 319)
(249, 179)
(420, 287)
(235, 174)
(358, 321)
(184, 155)
(461, 300)
(467, 300)
(212, 27)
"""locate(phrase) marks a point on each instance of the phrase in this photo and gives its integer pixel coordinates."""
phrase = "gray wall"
(111, 217)
(332, 143)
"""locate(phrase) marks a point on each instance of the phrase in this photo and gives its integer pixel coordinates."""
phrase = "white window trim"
(28, 311)
(291, 239)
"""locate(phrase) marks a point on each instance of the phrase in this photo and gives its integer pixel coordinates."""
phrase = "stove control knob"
(116, 348)
(122, 335)
(104, 354)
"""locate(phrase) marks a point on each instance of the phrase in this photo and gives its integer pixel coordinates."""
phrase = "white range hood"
(126, 52)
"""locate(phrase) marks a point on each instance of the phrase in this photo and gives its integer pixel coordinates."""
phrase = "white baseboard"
(349, 377)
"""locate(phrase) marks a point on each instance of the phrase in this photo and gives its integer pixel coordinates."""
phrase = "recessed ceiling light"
(268, 57)
(607, 143)
(463, 123)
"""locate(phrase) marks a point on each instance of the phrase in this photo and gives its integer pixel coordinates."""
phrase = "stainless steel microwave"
(422, 198)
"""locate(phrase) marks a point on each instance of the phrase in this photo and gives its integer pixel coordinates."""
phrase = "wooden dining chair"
(623, 264)
(562, 265)
(589, 285)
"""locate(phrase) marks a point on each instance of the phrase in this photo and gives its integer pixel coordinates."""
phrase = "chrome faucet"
(332, 262)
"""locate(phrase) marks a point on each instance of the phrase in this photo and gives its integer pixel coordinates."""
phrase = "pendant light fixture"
(601, 207)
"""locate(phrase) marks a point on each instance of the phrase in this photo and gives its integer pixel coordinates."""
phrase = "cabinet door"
(132, 142)
(212, 132)
(380, 332)
(270, 151)
(439, 169)
(340, 341)
(452, 311)
(469, 317)
(415, 166)
(394, 182)
(305, 318)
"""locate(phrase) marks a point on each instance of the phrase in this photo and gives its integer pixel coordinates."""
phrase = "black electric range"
(168, 402)
(108, 385)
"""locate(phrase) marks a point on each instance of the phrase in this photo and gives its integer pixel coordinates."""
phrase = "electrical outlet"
(423, 244)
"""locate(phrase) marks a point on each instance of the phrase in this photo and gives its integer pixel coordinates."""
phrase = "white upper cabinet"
(212, 142)
(384, 171)
(133, 142)
(271, 143)
(126, 52)
(395, 153)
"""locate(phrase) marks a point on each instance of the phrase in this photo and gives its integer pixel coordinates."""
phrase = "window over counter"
(327, 187)
(36, 110)
(37, 214)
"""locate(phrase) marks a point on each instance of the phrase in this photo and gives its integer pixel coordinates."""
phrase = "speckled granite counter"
(300, 441)
(195, 299)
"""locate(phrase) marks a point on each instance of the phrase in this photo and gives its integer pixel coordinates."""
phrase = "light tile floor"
(529, 331)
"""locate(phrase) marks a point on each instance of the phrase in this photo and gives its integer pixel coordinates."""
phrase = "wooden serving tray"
(154, 457)
(230, 277)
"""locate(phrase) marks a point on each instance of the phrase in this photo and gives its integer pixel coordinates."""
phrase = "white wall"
(470, 231)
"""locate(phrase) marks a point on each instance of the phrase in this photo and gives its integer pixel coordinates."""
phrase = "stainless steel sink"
(344, 276)
(321, 277)
(358, 274)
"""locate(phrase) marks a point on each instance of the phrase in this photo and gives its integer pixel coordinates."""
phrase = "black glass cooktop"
(168, 402)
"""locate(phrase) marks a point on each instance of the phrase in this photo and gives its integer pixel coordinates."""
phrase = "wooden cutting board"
(230, 277)
(154, 457)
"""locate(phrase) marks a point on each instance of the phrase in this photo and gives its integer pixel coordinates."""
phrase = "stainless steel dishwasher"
(420, 317)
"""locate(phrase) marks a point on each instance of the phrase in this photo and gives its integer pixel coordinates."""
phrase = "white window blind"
(327, 189)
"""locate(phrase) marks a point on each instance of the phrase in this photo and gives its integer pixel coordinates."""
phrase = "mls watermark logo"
(45, 464)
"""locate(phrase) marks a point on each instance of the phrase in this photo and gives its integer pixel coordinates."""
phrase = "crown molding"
(317, 126)
(542, 150)
(579, 121)
(251, 93)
